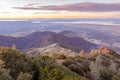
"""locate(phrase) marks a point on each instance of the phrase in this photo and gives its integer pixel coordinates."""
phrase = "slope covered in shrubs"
(100, 64)
(15, 65)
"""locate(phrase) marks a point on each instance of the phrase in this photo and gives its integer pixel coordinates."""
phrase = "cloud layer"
(79, 7)
(31, 4)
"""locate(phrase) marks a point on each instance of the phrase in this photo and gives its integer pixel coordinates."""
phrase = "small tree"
(82, 53)
(14, 47)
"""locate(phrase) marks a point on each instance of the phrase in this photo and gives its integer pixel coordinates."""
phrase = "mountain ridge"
(41, 39)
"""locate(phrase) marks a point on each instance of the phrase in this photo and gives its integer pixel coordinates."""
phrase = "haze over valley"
(102, 32)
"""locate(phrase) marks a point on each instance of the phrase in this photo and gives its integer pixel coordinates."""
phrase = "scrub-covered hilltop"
(15, 65)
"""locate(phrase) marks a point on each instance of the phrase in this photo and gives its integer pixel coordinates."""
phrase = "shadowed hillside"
(44, 39)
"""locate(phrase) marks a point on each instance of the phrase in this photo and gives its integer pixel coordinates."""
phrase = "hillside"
(52, 49)
(43, 39)
(15, 65)
(99, 64)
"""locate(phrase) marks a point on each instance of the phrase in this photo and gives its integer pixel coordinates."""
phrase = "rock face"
(51, 50)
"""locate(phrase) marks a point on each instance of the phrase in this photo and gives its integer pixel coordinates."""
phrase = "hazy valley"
(103, 32)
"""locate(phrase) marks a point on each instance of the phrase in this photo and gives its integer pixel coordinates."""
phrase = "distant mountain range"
(43, 39)
(98, 31)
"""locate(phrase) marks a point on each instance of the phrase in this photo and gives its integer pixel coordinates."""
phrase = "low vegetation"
(15, 65)
(98, 65)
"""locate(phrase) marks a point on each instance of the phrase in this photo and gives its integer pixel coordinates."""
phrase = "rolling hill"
(44, 39)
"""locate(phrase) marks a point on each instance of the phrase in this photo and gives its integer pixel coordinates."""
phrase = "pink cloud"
(87, 7)
(31, 4)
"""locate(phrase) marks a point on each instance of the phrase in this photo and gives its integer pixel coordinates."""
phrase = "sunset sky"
(59, 8)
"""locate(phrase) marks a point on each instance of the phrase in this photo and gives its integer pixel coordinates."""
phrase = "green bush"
(16, 62)
(50, 70)
(5, 76)
(24, 76)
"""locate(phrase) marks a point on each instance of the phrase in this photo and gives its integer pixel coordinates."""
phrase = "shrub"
(15, 61)
(24, 76)
(50, 70)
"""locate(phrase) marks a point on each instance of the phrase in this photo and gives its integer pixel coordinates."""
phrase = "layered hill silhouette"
(46, 38)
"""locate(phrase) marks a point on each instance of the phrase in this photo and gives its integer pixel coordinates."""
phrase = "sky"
(59, 9)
